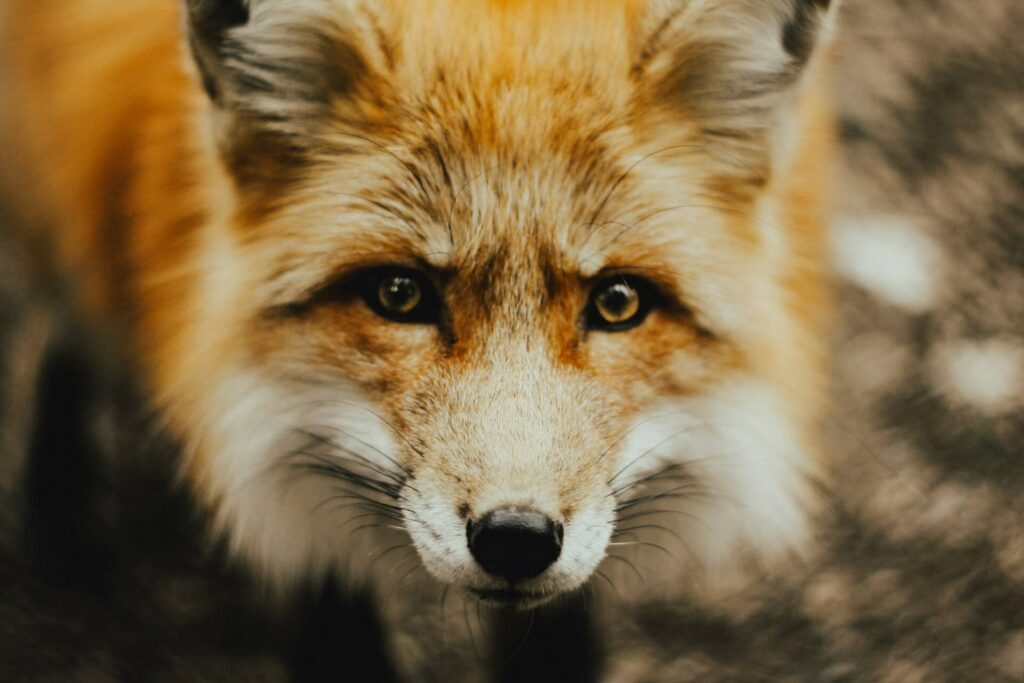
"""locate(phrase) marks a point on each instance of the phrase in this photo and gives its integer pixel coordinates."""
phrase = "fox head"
(518, 291)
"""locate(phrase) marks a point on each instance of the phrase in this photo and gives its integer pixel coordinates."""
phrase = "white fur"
(440, 537)
(755, 495)
(281, 518)
(752, 477)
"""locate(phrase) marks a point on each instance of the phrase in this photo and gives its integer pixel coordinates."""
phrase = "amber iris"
(617, 303)
(399, 294)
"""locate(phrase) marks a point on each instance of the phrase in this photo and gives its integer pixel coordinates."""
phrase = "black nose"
(514, 544)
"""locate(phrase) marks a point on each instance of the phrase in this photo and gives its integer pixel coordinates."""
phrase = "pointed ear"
(731, 64)
(275, 66)
(208, 24)
(278, 72)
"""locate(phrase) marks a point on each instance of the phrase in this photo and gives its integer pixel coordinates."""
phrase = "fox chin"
(532, 289)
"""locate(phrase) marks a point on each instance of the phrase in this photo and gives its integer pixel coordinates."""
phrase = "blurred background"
(919, 570)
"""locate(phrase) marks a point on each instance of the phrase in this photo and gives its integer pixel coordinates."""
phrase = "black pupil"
(617, 299)
(399, 293)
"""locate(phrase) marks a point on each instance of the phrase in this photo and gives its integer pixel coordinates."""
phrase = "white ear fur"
(209, 22)
(732, 63)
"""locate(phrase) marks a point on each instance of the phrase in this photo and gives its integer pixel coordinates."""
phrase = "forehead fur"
(518, 135)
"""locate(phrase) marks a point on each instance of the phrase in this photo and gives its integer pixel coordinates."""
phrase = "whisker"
(671, 469)
(612, 556)
(394, 429)
(374, 515)
(444, 619)
(472, 635)
(403, 577)
(651, 450)
(618, 182)
(676, 492)
(327, 441)
(369, 502)
(615, 591)
(635, 426)
(626, 227)
(455, 200)
(656, 527)
(646, 544)
(332, 468)
(376, 557)
(646, 513)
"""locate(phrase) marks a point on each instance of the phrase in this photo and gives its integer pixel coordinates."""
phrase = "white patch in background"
(891, 258)
(987, 375)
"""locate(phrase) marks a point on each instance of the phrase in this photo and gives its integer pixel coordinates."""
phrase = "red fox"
(524, 283)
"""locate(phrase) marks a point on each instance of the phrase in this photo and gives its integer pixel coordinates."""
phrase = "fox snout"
(514, 544)
(510, 497)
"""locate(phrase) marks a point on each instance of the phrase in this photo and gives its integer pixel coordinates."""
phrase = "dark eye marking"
(399, 294)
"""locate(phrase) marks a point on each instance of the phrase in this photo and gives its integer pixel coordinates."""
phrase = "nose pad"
(514, 544)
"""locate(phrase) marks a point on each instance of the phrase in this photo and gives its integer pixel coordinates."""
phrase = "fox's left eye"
(619, 303)
(400, 294)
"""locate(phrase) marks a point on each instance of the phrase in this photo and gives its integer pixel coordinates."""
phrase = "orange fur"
(547, 154)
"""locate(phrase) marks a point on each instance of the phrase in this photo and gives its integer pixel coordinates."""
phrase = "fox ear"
(732, 63)
(209, 22)
(274, 70)
(290, 54)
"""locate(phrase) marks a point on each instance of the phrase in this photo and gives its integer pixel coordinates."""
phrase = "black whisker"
(612, 556)
(677, 492)
(455, 200)
(615, 591)
(633, 428)
(335, 448)
(394, 429)
(651, 450)
(639, 527)
(646, 513)
(646, 544)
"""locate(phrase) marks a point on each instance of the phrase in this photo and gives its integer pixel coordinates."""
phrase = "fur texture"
(919, 573)
(215, 191)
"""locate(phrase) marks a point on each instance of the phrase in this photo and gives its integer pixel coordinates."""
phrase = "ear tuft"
(732, 63)
(208, 23)
(800, 33)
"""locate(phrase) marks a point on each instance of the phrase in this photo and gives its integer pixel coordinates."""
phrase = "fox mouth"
(510, 597)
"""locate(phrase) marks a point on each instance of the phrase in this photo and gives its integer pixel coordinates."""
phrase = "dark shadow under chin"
(511, 598)
(557, 641)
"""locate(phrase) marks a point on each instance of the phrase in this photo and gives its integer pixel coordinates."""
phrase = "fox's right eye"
(400, 294)
(619, 303)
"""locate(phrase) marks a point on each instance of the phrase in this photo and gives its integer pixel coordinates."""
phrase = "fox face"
(516, 291)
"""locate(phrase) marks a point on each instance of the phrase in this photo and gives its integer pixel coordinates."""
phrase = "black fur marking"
(212, 18)
(301, 67)
(209, 21)
(708, 81)
(330, 66)
(799, 33)
(718, 81)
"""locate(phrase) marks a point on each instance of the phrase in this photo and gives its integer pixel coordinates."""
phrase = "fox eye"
(400, 294)
(619, 303)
